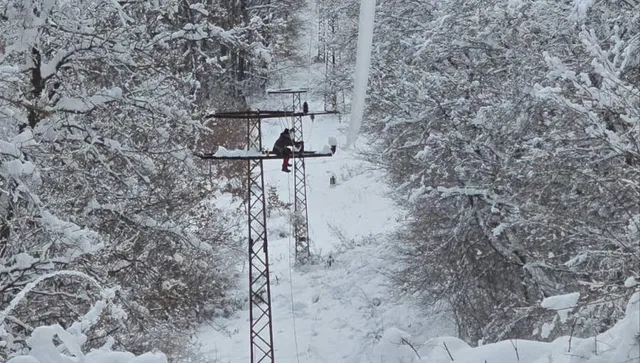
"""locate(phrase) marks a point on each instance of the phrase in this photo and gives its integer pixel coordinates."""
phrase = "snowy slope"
(620, 344)
(345, 312)
(325, 313)
(342, 310)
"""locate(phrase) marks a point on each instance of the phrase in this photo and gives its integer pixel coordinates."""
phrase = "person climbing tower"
(283, 148)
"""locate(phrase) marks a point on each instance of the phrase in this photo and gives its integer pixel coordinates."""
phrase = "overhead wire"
(306, 141)
(282, 123)
(293, 310)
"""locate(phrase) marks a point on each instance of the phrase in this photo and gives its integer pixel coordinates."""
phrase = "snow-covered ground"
(345, 311)
(325, 313)
(336, 313)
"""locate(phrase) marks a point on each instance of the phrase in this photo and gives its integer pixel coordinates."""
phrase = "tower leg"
(259, 284)
(301, 217)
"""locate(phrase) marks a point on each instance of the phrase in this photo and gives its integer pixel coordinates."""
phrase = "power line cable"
(293, 311)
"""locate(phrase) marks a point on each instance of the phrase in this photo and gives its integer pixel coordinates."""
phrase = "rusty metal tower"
(260, 318)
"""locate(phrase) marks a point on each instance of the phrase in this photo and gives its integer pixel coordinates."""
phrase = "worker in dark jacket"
(283, 147)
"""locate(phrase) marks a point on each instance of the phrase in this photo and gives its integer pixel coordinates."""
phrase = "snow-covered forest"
(493, 194)
(512, 133)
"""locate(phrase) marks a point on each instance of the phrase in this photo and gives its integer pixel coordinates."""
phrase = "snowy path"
(345, 312)
(342, 310)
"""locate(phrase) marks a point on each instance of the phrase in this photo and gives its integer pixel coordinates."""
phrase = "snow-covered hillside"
(620, 344)
(341, 308)
(328, 311)
(338, 308)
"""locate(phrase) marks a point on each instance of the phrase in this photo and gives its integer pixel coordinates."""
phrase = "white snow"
(199, 7)
(9, 149)
(633, 228)
(546, 330)
(363, 63)
(114, 145)
(178, 258)
(630, 282)
(511, 351)
(338, 309)
(341, 309)
(223, 152)
(23, 261)
(24, 139)
(577, 260)
(562, 304)
(48, 343)
(394, 345)
(9, 69)
(499, 229)
(326, 150)
(74, 104)
(289, 89)
(17, 167)
(580, 9)
(78, 240)
(616, 345)
(471, 191)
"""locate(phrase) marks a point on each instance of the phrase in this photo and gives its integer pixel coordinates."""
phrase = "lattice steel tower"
(260, 318)
(300, 215)
(259, 284)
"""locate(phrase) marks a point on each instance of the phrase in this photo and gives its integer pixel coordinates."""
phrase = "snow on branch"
(612, 93)
(173, 228)
(484, 194)
(54, 344)
(562, 304)
(196, 32)
(22, 261)
(30, 286)
(84, 105)
(199, 7)
(47, 69)
(83, 239)
(580, 9)
(17, 166)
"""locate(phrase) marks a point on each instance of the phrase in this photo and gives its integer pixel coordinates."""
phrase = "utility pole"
(300, 216)
(260, 318)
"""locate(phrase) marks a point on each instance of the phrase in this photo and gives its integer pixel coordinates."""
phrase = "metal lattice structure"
(301, 216)
(260, 318)
(259, 284)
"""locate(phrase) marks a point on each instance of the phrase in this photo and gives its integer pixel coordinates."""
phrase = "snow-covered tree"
(508, 186)
(55, 344)
(101, 104)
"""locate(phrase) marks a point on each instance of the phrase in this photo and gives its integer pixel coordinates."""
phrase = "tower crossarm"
(256, 114)
(264, 157)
